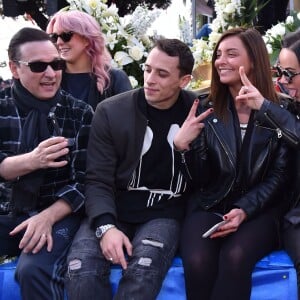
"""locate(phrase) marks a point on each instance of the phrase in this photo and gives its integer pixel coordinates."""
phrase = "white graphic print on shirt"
(177, 184)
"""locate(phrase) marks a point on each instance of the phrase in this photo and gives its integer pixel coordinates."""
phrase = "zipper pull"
(279, 133)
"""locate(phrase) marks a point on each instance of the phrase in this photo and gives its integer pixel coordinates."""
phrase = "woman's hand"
(191, 127)
(234, 219)
(248, 93)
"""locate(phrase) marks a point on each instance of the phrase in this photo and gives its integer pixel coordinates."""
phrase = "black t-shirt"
(157, 183)
(77, 84)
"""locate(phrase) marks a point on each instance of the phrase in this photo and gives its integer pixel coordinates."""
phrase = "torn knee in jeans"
(147, 261)
(74, 264)
(153, 243)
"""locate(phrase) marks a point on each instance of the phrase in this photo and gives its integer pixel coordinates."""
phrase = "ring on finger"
(111, 259)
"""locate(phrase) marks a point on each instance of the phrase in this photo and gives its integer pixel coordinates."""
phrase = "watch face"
(102, 229)
(98, 233)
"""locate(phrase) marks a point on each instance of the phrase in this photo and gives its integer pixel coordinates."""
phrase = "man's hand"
(43, 156)
(191, 127)
(38, 232)
(248, 93)
(112, 244)
(38, 228)
(46, 153)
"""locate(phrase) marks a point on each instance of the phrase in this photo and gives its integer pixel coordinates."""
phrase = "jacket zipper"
(227, 153)
(280, 133)
(183, 161)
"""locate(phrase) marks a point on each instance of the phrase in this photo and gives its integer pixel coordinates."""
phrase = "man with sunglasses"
(43, 141)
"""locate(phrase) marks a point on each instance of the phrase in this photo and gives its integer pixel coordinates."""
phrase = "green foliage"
(250, 10)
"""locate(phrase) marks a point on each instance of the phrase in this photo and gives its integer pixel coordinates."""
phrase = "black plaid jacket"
(74, 118)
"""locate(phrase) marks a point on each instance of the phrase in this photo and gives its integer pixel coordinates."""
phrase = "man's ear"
(184, 81)
(14, 69)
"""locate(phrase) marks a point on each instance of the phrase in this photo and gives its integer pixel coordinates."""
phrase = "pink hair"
(87, 26)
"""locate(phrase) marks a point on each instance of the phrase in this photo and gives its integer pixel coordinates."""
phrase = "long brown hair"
(261, 76)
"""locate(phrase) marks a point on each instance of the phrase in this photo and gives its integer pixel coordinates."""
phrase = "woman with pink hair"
(80, 41)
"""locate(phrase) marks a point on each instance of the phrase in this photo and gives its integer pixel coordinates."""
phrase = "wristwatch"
(102, 229)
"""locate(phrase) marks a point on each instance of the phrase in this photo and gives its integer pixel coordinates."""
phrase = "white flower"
(273, 36)
(269, 48)
(214, 37)
(136, 53)
(146, 40)
(142, 18)
(276, 30)
(230, 8)
(133, 81)
(289, 20)
(111, 11)
(93, 4)
(122, 58)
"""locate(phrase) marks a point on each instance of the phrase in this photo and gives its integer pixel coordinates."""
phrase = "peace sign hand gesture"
(191, 127)
(249, 93)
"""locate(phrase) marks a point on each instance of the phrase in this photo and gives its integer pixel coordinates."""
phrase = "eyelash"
(159, 74)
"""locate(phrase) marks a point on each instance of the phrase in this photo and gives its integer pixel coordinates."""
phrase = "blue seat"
(274, 277)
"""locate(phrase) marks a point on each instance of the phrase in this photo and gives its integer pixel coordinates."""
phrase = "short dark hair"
(175, 47)
(25, 35)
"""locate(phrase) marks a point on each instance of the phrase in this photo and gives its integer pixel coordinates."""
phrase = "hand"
(45, 154)
(235, 217)
(37, 234)
(112, 244)
(248, 93)
(191, 127)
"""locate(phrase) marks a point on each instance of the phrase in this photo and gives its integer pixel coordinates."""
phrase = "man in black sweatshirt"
(134, 186)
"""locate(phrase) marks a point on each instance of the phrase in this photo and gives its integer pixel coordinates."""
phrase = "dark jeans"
(40, 275)
(154, 246)
(221, 268)
(291, 239)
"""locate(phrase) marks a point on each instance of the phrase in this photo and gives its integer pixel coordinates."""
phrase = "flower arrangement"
(273, 36)
(126, 37)
(229, 14)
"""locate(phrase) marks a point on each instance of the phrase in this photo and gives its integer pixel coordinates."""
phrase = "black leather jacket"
(288, 126)
(228, 173)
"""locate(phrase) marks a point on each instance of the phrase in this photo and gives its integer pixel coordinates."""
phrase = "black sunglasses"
(289, 75)
(65, 36)
(41, 66)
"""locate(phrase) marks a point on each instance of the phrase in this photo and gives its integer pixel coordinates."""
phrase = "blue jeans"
(40, 275)
(154, 246)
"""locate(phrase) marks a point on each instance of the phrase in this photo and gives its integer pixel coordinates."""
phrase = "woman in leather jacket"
(287, 123)
(88, 75)
(240, 170)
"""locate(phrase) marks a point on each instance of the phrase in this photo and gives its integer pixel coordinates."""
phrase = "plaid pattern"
(74, 118)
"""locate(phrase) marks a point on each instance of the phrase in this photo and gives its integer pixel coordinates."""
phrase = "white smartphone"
(213, 229)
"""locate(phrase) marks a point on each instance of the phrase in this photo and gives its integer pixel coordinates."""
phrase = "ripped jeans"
(155, 244)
